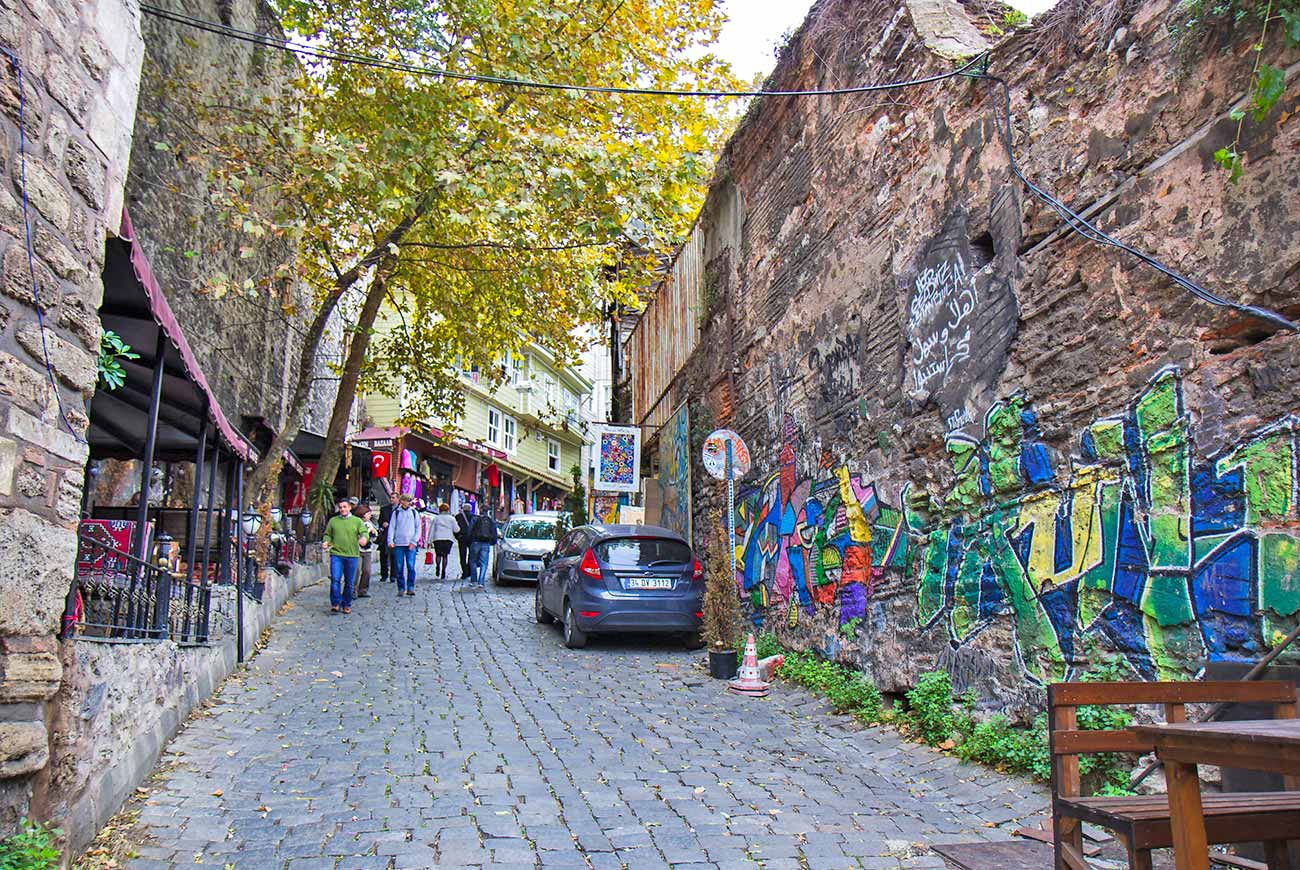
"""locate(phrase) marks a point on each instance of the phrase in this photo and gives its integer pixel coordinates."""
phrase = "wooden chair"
(1142, 822)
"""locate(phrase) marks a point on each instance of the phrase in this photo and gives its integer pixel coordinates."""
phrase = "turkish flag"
(493, 475)
(379, 464)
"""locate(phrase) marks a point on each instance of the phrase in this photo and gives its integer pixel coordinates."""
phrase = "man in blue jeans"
(344, 537)
(403, 542)
(482, 538)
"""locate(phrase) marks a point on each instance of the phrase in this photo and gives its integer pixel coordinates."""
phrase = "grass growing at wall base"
(933, 716)
(31, 848)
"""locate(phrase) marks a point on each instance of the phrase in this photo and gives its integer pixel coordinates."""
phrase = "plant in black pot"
(721, 605)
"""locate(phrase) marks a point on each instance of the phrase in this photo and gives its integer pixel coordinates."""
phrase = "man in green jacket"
(345, 535)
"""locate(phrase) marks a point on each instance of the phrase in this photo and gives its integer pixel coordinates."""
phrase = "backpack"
(485, 530)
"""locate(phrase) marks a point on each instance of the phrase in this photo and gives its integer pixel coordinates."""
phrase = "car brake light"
(589, 565)
(697, 571)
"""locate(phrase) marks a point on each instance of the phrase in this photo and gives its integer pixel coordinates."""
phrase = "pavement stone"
(450, 730)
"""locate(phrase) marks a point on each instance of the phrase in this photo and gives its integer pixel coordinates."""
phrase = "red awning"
(135, 308)
(163, 316)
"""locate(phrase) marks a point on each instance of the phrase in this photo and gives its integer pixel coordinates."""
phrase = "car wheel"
(496, 579)
(539, 612)
(693, 640)
(574, 637)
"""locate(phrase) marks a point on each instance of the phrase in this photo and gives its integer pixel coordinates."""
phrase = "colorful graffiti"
(675, 473)
(822, 542)
(604, 508)
(1139, 546)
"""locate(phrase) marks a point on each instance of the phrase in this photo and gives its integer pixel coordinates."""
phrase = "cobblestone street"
(449, 730)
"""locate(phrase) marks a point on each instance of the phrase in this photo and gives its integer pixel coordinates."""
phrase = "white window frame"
(518, 368)
(509, 433)
(493, 426)
(553, 458)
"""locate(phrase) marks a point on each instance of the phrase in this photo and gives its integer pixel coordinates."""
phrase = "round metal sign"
(715, 454)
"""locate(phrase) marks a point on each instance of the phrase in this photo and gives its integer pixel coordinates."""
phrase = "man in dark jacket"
(464, 519)
(385, 559)
(482, 538)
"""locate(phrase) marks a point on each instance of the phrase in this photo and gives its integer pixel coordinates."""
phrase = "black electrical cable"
(437, 72)
(1088, 230)
(1075, 222)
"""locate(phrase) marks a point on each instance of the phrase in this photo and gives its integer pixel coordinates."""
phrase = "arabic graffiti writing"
(1139, 548)
(938, 320)
(962, 315)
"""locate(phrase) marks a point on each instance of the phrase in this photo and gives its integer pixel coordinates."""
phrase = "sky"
(756, 27)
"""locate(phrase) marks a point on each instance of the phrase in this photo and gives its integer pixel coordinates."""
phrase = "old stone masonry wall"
(72, 110)
(982, 443)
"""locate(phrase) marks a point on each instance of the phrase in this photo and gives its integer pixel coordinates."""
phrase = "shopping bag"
(428, 557)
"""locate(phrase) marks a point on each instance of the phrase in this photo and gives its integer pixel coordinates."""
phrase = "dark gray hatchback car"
(621, 578)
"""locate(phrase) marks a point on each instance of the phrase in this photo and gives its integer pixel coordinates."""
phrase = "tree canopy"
(500, 215)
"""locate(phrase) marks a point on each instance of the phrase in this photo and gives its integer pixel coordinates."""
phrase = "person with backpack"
(404, 542)
(482, 538)
(464, 519)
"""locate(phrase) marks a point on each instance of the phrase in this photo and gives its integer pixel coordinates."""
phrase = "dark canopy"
(135, 308)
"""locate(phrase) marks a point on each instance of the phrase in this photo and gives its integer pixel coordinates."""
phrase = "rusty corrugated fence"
(668, 330)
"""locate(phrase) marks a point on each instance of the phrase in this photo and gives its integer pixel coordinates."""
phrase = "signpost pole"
(731, 514)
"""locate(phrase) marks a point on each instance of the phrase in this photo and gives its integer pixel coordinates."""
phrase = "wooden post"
(1186, 818)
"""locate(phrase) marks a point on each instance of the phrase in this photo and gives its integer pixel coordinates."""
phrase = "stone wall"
(80, 68)
(119, 705)
(247, 343)
(981, 443)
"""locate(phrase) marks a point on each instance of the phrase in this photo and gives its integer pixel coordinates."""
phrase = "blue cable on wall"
(27, 236)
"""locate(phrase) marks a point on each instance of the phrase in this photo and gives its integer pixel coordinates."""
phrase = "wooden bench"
(1142, 822)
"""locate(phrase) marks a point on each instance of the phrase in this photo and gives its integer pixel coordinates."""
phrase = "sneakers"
(410, 592)
(347, 610)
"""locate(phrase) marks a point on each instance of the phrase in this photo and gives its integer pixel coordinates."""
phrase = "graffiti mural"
(1139, 545)
(675, 473)
(802, 543)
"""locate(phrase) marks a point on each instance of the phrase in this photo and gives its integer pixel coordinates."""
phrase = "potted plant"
(721, 606)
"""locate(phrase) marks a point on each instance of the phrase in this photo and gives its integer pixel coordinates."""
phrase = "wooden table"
(1271, 745)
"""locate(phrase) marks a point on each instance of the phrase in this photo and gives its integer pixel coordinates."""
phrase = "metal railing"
(119, 597)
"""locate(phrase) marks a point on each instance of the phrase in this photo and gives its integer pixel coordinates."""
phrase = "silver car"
(524, 542)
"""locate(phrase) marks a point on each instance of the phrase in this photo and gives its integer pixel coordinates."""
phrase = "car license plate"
(649, 583)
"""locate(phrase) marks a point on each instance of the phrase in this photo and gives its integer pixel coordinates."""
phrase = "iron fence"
(119, 597)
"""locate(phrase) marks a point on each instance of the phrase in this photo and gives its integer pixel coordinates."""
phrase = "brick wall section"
(81, 65)
(1081, 479)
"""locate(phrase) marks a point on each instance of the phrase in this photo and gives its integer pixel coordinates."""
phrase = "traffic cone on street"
(748, 682)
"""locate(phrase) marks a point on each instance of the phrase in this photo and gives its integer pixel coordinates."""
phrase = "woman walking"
(444, 535)
(403, 542)
(372, 534)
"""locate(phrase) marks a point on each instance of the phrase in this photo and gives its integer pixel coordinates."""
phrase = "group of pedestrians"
(398, 533)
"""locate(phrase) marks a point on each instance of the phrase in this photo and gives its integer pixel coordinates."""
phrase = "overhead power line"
(973, 69)
(509, 81)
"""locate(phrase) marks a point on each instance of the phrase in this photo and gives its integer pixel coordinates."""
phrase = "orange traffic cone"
(748, 682)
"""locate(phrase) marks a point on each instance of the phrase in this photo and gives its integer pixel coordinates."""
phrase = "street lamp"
(252, 522)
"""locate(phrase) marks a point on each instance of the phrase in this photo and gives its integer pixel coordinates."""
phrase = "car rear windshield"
(536, 530)
(642, 552)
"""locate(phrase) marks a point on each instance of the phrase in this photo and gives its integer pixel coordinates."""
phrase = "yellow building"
(514, 443)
